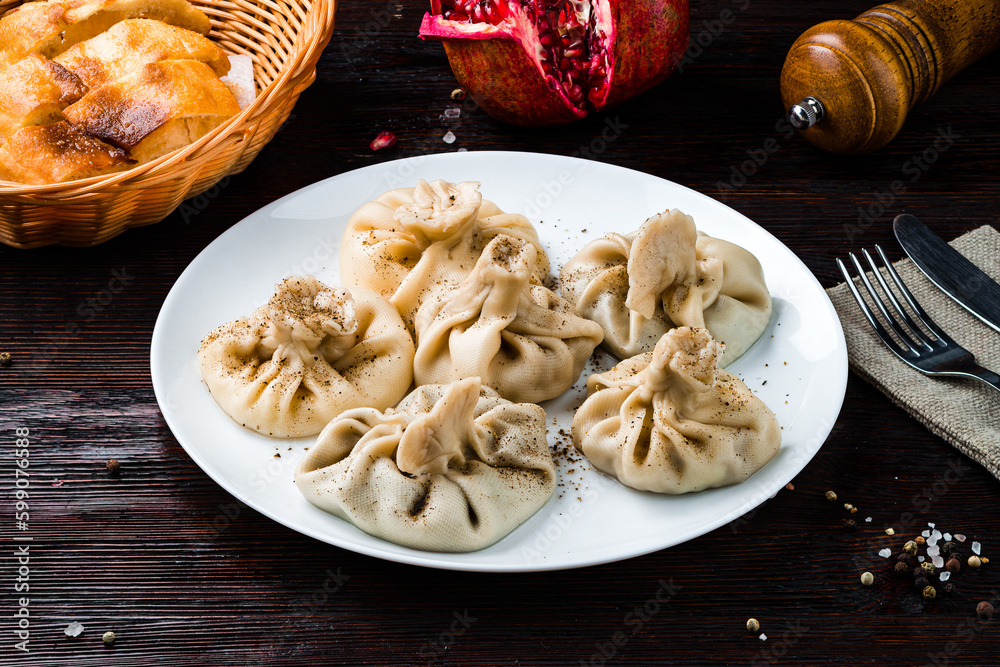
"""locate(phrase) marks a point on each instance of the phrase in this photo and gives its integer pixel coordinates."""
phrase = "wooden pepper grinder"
(848, 85)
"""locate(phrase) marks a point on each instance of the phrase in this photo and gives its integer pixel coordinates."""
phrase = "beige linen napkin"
(966, 413)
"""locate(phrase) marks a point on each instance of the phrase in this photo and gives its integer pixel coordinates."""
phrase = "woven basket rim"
(318, 17)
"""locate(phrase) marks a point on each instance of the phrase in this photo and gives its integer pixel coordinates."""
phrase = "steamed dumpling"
(667, 274)
(499, 324)
(306, 356)
(671, 421)
(453, 468)
(411, 243)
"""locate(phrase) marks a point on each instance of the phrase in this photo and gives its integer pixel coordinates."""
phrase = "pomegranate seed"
(595, 95)
(383, 140)
(546, 39)
(575, 93)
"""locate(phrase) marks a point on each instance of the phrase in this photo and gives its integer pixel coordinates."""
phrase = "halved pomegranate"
(550, 62)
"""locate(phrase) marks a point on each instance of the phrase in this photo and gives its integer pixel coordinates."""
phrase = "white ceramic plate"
(798, 367)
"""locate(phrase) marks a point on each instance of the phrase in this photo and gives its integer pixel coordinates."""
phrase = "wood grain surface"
(186, 576)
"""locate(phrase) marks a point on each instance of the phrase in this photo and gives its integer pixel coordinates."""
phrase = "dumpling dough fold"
(666, 274)
(410, 243)
(306, 356)
(452, 468)
(671, 421)
(521, 338)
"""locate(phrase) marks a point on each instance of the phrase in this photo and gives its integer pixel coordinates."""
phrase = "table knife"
(957, 277)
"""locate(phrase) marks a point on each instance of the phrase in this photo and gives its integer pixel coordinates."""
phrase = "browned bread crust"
(34, 91)
(156, 109)
(56, 153)
(132, 43)
(49, 27)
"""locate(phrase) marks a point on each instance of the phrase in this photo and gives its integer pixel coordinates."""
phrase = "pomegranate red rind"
(550, 62)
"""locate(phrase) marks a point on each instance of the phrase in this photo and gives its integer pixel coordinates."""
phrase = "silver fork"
(938, 355)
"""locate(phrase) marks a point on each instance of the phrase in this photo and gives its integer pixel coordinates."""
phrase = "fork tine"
(870, 316)
(881, 306)
(916, 332)
(921, 314)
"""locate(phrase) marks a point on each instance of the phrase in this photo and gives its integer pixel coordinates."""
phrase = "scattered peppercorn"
(948, 548)
(831, 496)
(458, 94)
(984, 610)
(114, 468)
(902, 569)
(905, 558)
(753, 625)
(928, 567)
(5, 359)
(918, 572)
(948, 589)
(920, 583)
(919, 539)
(849, 507)
(953, 565)
(929, 593)
(850, 524)
(867, 578)
(890, 531)
(975, 561)
(108, 638)
(910, 548)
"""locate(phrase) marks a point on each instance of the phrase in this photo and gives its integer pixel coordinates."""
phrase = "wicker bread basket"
(285, 39)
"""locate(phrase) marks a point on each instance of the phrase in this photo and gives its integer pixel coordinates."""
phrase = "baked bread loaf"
(56, 153)
(52, 26)
(34, 91)
(127, 46)
(156, 109)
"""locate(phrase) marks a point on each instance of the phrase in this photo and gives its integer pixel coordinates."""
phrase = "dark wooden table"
(185, 576)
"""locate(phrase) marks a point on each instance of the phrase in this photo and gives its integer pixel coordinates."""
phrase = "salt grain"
(936, 535)
(933, 550)
(868, 519)
(931, 525)
(885, 553)
(947, 537)
(452, 112)
(763, 637)
(462, 150)
(976, 547)
(938, 561)
(920, 559)
(926, 533)
(449, 137)
(959, 537)
(73, 629)
(945, 575)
